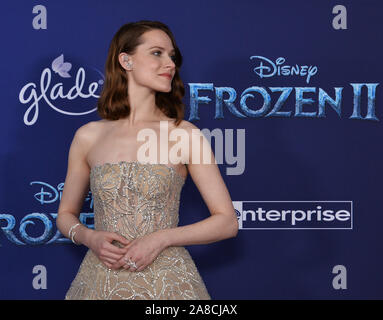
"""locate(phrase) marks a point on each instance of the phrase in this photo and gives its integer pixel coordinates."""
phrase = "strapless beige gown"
(135, 199)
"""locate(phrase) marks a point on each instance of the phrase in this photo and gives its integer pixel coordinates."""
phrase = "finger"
(133, 269)
(121, 263)
(126, 265)
(127, 254)
(114, 265)
(118, 264)
(136, 269)
(130, 244)
(109, 259)
(141, 265)
(113, 249)
(140, 268)
(115, 257)
(118, 237)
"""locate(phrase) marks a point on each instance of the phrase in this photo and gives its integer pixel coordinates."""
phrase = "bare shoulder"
(91, 128)
(192, 131)
(200, 151)
(188, 126)
(88, 133)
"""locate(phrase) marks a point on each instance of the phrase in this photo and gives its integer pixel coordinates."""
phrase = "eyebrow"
(162, 48)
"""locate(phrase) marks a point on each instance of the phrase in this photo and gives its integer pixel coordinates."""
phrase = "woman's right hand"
(100, 242)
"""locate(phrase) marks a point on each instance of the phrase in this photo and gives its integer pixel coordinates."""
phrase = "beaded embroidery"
(134, 199)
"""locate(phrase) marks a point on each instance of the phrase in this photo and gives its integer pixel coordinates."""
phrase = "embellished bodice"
(134, 198)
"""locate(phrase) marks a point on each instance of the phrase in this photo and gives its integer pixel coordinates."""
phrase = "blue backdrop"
(302, 78)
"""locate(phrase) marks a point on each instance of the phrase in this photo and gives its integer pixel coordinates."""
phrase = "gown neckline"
(140, 163)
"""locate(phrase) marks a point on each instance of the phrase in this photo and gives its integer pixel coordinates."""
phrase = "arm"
(75, 188)
(223, 222)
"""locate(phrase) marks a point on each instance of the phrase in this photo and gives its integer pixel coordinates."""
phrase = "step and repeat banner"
(287, 92)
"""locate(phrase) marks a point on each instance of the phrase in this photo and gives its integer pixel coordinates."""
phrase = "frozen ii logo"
(308, 102)
(52, 89)
(40, 228)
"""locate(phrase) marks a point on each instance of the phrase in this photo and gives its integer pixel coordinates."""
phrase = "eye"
(173, 57)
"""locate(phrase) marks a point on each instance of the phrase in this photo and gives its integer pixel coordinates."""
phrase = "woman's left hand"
(143, 251)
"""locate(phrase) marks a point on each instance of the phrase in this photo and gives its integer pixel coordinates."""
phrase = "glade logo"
(32, 93)
(271, 69)
(278, 215)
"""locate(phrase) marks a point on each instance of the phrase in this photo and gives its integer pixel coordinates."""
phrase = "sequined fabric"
(135, 199)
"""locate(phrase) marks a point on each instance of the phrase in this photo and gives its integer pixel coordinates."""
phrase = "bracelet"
(72, 238)
(71, 234)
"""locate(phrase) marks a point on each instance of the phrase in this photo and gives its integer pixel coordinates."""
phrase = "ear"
(125, 61)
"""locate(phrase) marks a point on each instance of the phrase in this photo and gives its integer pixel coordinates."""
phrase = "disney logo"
(267, 68)
(29, 93)
(49, 194)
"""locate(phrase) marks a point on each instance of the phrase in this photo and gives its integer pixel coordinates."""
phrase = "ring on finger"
(130, 263)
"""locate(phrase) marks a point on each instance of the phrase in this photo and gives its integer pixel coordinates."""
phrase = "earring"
(128, 63)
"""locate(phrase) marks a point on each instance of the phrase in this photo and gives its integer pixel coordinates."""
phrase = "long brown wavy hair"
(113, 103)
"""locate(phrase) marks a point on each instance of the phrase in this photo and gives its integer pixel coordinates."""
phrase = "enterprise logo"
(305, 215)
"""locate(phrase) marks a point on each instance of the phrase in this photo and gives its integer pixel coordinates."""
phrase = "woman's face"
(155, 56)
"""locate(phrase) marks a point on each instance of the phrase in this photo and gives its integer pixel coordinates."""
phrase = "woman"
(136, 249)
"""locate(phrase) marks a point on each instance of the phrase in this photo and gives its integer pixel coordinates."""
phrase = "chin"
(164, 89)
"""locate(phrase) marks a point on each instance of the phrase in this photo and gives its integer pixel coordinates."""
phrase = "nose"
(170, 63)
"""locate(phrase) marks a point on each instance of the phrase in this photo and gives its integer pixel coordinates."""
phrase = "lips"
(168, 75)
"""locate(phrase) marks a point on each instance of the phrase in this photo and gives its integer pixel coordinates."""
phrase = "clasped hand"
(142, 251)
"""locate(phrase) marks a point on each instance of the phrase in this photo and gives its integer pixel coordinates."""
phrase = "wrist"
(83, 235)
(164, 238)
